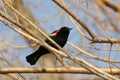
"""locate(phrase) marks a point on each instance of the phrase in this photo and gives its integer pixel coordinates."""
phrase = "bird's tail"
(33, 58)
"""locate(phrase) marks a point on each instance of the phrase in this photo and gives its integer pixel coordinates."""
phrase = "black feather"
(60, 39)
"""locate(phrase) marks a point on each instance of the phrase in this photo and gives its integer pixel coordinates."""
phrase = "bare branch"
(109, 4)
(54, 70)
(106, 40)
(76, 18)
(92, 56)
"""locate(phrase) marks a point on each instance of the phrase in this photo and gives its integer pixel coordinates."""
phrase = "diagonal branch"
(76, 18)
(28, 34)
(109, 4)
(94, 38)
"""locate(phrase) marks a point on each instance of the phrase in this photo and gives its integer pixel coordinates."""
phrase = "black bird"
(59, 36)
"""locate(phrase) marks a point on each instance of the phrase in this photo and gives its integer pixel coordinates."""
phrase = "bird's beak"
(70, 29)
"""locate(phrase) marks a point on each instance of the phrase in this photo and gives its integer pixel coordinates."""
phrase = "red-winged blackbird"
(59, 36)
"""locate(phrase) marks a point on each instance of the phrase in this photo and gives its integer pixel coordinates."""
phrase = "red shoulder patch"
(55, 32)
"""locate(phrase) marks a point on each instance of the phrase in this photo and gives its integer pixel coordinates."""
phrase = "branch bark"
(55, 70)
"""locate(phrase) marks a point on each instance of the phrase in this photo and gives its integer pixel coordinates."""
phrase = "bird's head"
(62, 30)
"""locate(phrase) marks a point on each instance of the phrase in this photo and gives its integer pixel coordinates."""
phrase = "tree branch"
(106, 40)
(34, 37)
(77, 19)
(55, 70)
(109, 4)
(91, 55)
